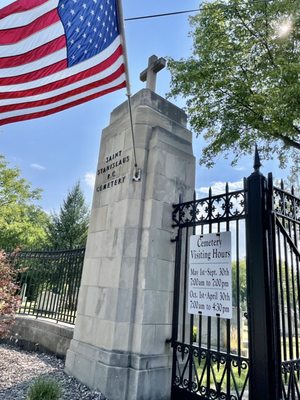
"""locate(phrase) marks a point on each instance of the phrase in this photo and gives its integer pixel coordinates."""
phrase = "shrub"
(9, 300)
(44, 389)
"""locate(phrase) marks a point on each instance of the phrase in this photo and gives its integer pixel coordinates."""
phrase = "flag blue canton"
(90, 27)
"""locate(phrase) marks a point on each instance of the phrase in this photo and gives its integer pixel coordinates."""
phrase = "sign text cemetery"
(110, 171)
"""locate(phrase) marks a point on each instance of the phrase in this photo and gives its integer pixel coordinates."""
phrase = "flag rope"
(137, 171)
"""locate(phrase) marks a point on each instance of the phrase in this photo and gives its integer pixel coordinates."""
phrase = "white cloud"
(89, 179)
(37, 166)
(219, 187)
(239, 168)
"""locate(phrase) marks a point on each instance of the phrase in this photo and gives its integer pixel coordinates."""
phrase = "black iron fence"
(49, 283)
(210, 357)
(287, 240)
(255, 354)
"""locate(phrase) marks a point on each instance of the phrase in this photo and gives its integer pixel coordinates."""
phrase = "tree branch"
(247, 78)
(288, 141)
(277, 135)
(257, 36)
(243, 104)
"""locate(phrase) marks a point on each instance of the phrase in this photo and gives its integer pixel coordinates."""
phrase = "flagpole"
(137, 171)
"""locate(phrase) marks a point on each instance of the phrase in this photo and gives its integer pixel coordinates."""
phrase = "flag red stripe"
(61, 108)
(11, 36)
(19, 6)
(31, 76)
(33, 55)
(67, 81)
(74, 92)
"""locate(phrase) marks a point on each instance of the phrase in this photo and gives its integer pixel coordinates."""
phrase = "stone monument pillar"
(125, 302)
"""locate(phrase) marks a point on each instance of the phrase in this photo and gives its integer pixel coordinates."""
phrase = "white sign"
(210, 282)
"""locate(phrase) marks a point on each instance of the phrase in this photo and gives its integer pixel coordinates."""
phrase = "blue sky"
(56, 151)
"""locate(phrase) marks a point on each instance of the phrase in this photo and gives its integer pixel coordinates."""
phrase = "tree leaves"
(68, 228)
(242, 83)
(22, 222)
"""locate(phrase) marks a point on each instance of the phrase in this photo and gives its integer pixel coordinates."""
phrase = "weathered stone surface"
(153, 101)
(125, 302)
(31, 333)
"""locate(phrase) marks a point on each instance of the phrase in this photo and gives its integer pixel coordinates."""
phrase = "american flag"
(56, 54)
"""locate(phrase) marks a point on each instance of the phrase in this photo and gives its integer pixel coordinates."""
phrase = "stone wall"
(41, 335)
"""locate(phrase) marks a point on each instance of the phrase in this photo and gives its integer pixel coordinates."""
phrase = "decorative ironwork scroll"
(212, 374)
(286, 204)
(218, 208)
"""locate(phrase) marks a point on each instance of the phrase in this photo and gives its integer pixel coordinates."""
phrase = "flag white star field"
(56, 54)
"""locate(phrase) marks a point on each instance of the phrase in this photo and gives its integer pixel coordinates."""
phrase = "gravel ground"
(19, 369)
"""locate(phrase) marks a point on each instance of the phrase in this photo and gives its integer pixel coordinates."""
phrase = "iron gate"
(210, 355)
(287, 238)
(254, 355)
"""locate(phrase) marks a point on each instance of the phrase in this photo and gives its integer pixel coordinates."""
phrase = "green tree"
(68, 228)
(22, 222)
(242, 82)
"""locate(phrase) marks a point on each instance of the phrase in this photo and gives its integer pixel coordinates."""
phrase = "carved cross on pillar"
(155, 64)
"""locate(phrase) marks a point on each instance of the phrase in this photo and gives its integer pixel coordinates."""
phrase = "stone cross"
(155, 64)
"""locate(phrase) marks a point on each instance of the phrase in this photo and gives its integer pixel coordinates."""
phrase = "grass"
(44, 389)
(218, 376)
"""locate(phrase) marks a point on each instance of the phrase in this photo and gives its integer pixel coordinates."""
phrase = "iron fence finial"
(257, 163)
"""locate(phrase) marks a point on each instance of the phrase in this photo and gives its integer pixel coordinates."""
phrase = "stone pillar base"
(120, 375)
